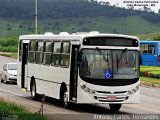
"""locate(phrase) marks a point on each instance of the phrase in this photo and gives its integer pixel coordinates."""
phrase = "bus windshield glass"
(109, 64)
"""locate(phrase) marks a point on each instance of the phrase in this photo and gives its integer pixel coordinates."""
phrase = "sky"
(154, 5)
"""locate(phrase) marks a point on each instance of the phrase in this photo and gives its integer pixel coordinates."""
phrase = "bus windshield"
(109, 64)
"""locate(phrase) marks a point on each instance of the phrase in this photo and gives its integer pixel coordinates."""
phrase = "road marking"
(12, 93)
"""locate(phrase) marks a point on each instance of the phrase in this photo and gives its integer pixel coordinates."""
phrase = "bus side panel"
(48, 78)
(149, 60)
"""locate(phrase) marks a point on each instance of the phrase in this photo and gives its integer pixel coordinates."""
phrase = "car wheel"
(2, 80)
(6, 80)
(115, 107)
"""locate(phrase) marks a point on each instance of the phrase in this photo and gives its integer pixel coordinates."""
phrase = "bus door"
(74, 73)
(24, 64)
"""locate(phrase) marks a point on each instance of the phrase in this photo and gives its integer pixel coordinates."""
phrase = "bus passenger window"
(32, 49)
(56, 53)
(39, 52)
(144, 48)
(65, 55)
(151, 49)
(47, 53)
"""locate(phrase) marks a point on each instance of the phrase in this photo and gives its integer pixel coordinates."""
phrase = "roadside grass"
(152, 82)
(10, 111)
(150, 69)
(150, 76)
(12, 55)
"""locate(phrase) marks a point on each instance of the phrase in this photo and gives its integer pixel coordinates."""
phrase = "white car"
(9, 73)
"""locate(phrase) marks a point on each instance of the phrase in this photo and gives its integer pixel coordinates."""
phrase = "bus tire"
(115, 107)
(34, 94)
(65, 100)
(64, 96)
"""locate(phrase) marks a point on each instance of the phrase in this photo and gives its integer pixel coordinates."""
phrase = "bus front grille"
(106, 96)
(117, 92)
(111, 101)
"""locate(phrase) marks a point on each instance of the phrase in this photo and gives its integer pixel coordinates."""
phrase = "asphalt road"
(149, 103)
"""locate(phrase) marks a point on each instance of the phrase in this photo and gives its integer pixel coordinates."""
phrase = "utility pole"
(36, 17)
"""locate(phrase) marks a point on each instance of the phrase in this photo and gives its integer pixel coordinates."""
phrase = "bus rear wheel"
(34, 95)
(115, 107)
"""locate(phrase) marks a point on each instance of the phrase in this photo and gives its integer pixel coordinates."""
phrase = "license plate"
(112, 98)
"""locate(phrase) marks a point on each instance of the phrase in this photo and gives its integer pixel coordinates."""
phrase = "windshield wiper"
(104, 57)
(121, 56)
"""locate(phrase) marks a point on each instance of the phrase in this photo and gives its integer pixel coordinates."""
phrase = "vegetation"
(150, 69)
(17, 17)
(9, 44)
(150, 75)
(132, 25)
(62, 9)
(12, 55)
(152, 82)
(157, 37)
(13, 111)
(149, 36)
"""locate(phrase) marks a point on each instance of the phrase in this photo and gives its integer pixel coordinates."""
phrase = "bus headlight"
(92, 92)
(129, 92)
(137, 87)
(83, 86)
(86, 89)
(134, 90)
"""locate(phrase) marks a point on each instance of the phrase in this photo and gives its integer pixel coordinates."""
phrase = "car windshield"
(109, 64)
(12, 66)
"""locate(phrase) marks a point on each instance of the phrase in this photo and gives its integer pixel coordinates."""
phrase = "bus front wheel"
(65, 101)
(115, 107)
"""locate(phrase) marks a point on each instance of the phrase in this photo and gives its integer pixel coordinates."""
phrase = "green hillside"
(17, 17)
(124, 25)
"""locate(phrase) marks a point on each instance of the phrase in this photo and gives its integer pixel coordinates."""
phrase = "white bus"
(82, 68)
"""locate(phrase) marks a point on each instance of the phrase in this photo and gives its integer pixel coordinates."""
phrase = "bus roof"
(148, 41)
(73, 36)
